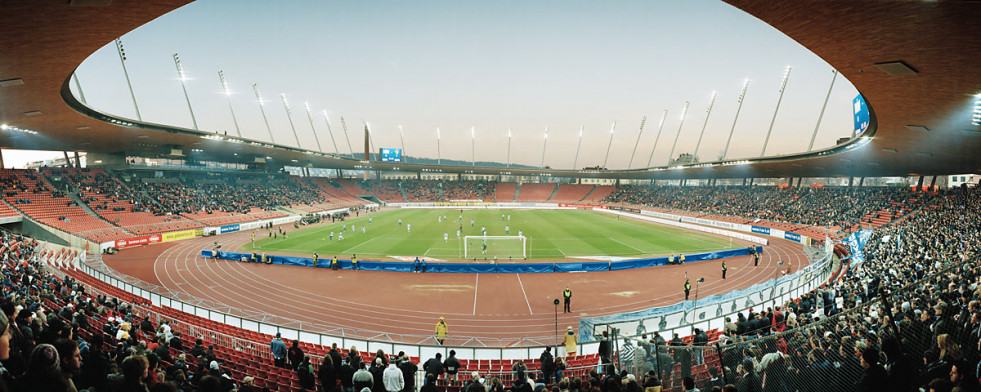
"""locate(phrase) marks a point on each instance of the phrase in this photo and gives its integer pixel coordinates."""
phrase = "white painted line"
(524, 293)
(621, 243)
(476, 281)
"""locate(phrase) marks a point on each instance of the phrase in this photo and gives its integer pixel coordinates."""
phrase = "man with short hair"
(434, 366)
(547, 364)
(362, 378)
(279, 351)
(452, 366)
(409, 370)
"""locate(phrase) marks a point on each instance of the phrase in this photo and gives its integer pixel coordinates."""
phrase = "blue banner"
(761, 230)
(856, 242)
(229, 228)
(477, 268)
(792, 236)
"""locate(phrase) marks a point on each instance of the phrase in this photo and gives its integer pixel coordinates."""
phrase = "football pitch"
(550, 234)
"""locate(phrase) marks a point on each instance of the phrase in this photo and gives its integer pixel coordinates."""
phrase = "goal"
(502, 247)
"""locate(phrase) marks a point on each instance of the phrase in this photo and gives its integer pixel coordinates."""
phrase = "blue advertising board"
(229, 228)
(861, 111)
(761, 230)
(792, 236)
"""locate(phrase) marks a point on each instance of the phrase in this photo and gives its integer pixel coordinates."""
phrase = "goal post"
(501, 247)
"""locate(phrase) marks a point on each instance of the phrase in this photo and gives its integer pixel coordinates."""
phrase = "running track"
(501, 309)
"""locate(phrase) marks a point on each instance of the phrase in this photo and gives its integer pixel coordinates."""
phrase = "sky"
(481, 66)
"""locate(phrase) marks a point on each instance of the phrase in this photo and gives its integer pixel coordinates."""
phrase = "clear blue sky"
(488, 65)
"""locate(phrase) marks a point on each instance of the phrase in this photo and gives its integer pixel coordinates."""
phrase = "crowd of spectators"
(908, 316)
(825, 206)
(230, 194)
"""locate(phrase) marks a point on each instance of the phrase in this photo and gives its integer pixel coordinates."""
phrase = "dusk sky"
(488, 65)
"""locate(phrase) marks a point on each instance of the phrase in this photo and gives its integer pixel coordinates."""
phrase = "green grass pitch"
(552, 234)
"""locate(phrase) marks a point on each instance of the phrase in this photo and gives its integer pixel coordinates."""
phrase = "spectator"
(279, 351)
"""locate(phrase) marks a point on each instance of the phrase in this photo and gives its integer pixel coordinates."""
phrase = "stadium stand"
(531, 192)
(6, 211)
(571, 193)
(505, 192)
(599, 193)
(32, 195)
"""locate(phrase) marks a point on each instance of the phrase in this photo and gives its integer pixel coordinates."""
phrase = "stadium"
(161, 235)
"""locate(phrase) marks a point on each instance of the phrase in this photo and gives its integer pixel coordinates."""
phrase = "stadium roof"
(916, 63)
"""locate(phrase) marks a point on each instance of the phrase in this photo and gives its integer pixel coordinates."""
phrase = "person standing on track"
(441, 331)
(315, 258)
(687, 288)
(756, 256)
(334, 265)
(354, 261)
(567, 300)
(724, 269)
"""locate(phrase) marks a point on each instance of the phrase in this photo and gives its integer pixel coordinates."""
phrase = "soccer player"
(400, 221)
(458, 234)
(509, 217)
(484, 245)
(483, 230)
(408, 226)
(471, 223)
(363, 229)
(353, 228)
(369, 220)
(507, 229)
(340, 236)
(345, 227)
(446, 237)
(439, 218)
(331, 236)
(520, 234)
(502, 217)
(253, 237)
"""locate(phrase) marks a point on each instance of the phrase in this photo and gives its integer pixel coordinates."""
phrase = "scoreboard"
(391, 155)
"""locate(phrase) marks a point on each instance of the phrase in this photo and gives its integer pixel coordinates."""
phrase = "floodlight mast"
(821, 116)
(660, 127)
(438, 160)
(122, 60)
(402, 137)
(344, 127)
(509, 148)
(306, 105)
(473, 149)
(684, 113)
(783, 86)
(708, 113)
(78, 86)
(289, 115)
(331, 132)
(610, 144)
(258, 97)
(228, 96)
(182, 78)
(643, 121)
(742, 97)
(544, 144)
(578, 146)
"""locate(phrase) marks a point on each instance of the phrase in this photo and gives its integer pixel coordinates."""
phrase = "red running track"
(501, 309)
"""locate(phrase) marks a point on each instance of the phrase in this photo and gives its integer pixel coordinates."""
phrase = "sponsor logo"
(229, 228)
(792, 236)
(761, 230)
(180, 235)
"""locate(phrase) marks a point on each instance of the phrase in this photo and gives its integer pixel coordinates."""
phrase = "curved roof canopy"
(916, 64)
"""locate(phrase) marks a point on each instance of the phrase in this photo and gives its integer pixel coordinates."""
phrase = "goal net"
(494, 247)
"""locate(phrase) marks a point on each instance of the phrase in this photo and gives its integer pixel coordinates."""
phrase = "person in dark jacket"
(547, 363)
(295, 355)
(434, 366)
(874, 377)
(327, 374)
(345, 373)
(377, 371)
(409, 370)
(452, 366)
(304, 371)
